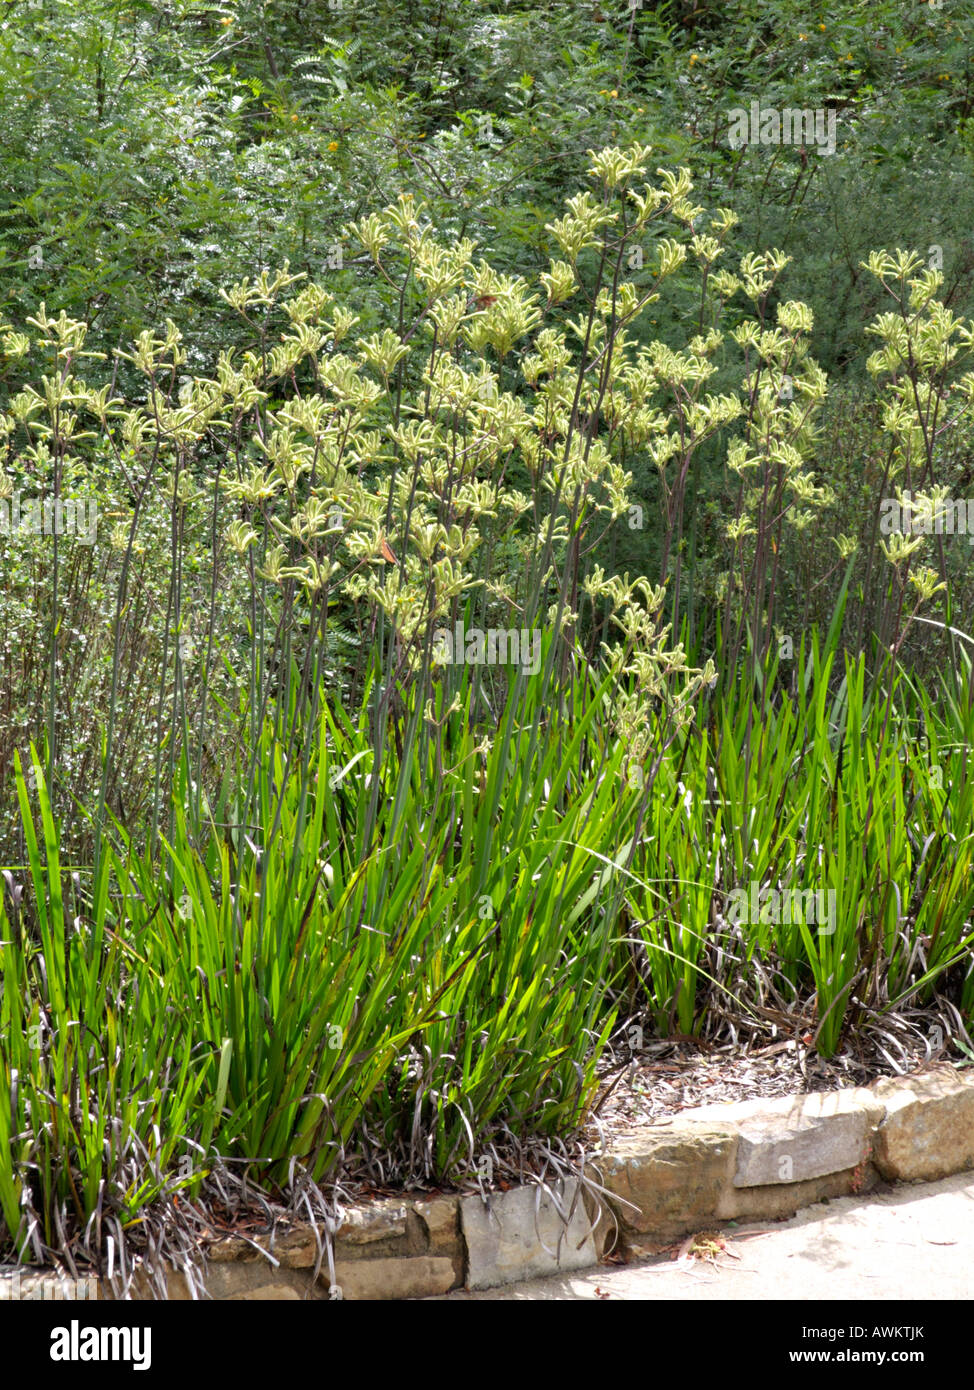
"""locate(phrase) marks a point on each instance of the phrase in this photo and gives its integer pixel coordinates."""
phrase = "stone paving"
(914, 1241)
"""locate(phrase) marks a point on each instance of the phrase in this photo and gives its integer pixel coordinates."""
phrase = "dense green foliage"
(155, 153)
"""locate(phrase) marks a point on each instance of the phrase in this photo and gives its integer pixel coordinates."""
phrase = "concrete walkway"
(910, 1242)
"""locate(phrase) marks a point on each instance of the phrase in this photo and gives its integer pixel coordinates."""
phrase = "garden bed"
(764, 1158)
(669, 1078)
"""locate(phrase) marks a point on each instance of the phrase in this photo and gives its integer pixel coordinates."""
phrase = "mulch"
(669, 1077)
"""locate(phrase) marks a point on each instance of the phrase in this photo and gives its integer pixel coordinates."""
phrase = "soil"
(670, 1077)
